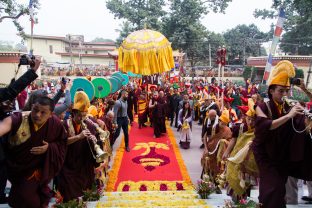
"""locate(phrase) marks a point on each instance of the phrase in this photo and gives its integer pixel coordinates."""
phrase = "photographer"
(58, 109)
(292, 183)
(7, 96)
(15, 87)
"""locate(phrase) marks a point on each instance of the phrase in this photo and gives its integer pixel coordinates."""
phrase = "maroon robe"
(279, 153)
(30, 174)
(77, 174)
(158, 114)
(109, 126)
(162, 109)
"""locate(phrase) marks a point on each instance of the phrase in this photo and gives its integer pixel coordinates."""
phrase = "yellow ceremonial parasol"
(145, 52)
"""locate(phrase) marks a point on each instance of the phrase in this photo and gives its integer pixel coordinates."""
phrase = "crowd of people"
(246, 140)
(66, 71)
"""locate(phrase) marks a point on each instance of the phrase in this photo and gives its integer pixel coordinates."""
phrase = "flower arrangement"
(243, 203)
(92, 194)
(205, 187)
(58, 197)
(71, 204)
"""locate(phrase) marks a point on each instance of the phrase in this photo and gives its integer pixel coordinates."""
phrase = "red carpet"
(153, 164)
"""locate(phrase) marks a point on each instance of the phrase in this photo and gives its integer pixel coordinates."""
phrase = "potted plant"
(92, 194)
(243, 203)
(71, 204)
(205, 187)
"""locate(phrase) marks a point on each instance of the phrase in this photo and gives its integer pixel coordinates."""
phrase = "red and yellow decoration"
(151, 165)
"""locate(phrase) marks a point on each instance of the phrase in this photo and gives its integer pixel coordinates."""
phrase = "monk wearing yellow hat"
(242, 170)
(77, 173)
(279, 150)
(215, 145)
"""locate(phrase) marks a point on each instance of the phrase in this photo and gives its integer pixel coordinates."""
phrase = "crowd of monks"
(246, 140)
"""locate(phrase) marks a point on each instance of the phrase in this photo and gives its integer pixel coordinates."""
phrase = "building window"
(51, 48)
(86, 52)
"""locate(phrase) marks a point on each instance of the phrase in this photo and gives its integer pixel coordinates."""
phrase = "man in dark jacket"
(7, 96)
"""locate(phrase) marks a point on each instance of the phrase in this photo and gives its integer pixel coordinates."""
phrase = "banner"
(277, 34)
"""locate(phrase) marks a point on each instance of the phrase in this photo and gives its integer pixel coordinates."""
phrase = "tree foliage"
(180, 24)
(138, 12)
(298, 38)
(242, 38)
(98, 39)
(8, 46)
(11, 9)
(183, 28)
(126, 29)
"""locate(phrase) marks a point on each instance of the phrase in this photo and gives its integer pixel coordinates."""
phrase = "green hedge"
(298, 94)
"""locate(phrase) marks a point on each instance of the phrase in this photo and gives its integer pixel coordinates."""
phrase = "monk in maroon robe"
(157, 106)
(35, 153)
(108, 120)
(77, 174)
(279, 150)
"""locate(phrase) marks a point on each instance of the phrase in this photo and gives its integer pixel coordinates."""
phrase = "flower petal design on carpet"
(150, 159)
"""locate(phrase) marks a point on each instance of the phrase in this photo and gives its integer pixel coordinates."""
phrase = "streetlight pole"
(71, 52)
(209, 55)
(244, 52)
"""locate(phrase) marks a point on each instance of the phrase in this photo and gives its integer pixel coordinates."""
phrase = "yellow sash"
(23, 133)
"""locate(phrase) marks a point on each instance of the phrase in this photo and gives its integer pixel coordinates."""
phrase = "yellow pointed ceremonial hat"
(81, 101)
(92, 110)
(251, 108)
(225, 116)
(282, 72)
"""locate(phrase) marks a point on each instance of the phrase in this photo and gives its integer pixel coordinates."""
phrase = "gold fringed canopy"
(145, 52)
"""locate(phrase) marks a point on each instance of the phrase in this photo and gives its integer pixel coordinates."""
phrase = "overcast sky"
(91, 19)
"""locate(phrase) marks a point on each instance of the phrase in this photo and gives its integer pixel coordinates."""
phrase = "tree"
(10, 9)
(215, 40)
(137, 13)
(181, 20)
(126, 29)
(243, 41)
(297, 39)
(8, 46)
(247, 72)
(97, 39)
(183, 28)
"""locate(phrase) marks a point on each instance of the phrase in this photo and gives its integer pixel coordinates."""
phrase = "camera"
(24, 60)
(64, 80)
(295, 81)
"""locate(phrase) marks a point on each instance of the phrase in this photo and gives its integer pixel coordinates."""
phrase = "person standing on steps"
(121, 117)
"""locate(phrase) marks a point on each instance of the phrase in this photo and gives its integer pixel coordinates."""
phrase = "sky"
(92, 19)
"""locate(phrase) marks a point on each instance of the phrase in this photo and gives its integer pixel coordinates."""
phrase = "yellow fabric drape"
(145, 52)
(249, 165)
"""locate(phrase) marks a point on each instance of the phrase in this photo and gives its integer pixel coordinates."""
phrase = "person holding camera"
(292, 183)
(279, 150)
(35, 153)
(17, 86)
(7, 97)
